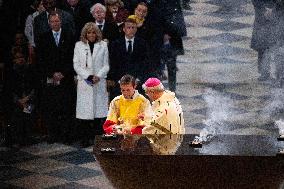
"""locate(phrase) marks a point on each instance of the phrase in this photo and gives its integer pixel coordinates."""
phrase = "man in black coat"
(41, 21)
(56, 72)
(109, 30)
(166, 19)
(80, 10)
(128, 55)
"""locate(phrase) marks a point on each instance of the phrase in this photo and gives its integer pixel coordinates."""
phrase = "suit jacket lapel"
(105, 28)
(134, 47)
(124, 46)
(52, 38)
(61, 39)
(45, 23)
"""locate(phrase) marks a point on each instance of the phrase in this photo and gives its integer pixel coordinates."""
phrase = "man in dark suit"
(109, 30)
(56, 71)
(41, 21)
(166, 18)
(128, 55)
(80, 10)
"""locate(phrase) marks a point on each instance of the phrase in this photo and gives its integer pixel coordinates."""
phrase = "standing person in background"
(79, 9)
(169, 58)
(109, 30)
(116, 12)
(13, 14)
(20, 90)
(128, 55)
(169, 27)
(20, 45)
(55, 50)
(279, 35)
(41, 24)
(263, 34)
(29, 28)
(91, 63)
(140, 14)
(144, 30)
(149, 28)
(23, 86)
(167, 112)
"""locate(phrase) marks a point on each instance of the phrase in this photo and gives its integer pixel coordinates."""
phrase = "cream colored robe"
(167, 112)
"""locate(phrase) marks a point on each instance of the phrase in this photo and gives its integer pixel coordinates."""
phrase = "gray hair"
(97, 5)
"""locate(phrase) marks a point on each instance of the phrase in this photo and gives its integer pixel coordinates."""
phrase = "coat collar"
(95, 50)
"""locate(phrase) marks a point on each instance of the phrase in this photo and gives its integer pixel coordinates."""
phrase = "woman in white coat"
(91, 63)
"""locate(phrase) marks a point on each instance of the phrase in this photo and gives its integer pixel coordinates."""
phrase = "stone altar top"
(230, 145)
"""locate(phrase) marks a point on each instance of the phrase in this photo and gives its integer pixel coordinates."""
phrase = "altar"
(168, 161)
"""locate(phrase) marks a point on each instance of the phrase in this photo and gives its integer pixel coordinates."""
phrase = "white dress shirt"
(126, 43)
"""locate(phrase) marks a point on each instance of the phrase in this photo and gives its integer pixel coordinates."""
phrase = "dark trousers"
(263, 66)
(57, 112)
(88, 129)
(279, 68)
(169, 58)
(21, 128)
(172, 70)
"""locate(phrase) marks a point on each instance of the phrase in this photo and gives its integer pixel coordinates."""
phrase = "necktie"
(100, 26)
(56, 37)
(129, 48)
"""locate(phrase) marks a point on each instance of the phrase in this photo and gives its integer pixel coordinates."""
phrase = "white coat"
(92, 101)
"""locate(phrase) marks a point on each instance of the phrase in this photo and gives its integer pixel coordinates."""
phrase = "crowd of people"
(73, 58)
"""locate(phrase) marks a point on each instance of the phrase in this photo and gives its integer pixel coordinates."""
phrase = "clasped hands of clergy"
(125, 126)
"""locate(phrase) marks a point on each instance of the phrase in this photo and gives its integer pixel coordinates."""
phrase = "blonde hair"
(90, 26)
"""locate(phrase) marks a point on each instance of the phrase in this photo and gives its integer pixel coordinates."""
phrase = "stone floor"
(217, 77)
(217, 86)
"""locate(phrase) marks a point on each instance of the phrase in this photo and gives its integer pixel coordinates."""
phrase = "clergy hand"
(126, 131)
(116, 129)
(141, 116)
